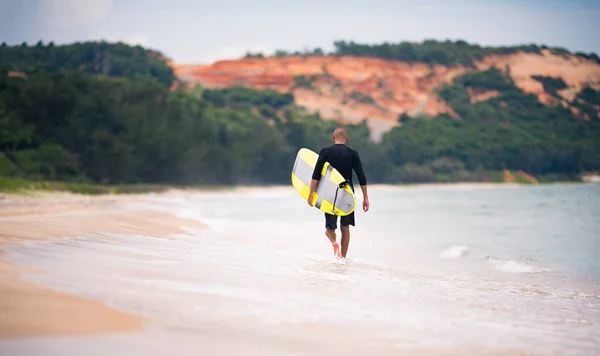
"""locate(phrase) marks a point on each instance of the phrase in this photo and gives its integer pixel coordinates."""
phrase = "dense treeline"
(440, 52)
(77, 125)
(430, 51)
(115, 60)
(510, 131)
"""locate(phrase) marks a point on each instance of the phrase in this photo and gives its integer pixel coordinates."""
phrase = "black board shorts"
(331, 220)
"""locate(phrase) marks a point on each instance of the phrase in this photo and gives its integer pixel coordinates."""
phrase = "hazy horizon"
(202, 32)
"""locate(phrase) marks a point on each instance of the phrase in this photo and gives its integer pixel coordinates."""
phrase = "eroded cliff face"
(350, 89)
(576, 72)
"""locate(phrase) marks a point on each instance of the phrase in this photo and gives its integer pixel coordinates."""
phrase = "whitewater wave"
(512, 266)
(455, 251)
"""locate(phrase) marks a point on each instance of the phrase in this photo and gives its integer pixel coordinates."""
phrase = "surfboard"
(325, 193)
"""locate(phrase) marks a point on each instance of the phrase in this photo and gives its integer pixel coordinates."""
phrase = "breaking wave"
(455, 251)
(512, 266)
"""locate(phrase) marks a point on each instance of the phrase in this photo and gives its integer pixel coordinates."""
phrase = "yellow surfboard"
(328, 189)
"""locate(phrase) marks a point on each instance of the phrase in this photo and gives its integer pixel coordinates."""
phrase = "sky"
(198, 32)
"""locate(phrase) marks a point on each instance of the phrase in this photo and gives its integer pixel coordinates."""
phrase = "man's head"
(340, 135)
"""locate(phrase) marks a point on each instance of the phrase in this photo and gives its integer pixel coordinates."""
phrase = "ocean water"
(430, 270)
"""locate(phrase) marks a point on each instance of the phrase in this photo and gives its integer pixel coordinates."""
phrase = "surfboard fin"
(343, 184)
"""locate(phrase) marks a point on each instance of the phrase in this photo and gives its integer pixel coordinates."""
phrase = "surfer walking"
(344, 159)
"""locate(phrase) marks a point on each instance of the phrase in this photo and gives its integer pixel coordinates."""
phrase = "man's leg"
(345, 223)
(330, 227)
(330, 233)
(345, 239)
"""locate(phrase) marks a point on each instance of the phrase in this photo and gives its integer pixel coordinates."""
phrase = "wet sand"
(28, 310)
(129, 277)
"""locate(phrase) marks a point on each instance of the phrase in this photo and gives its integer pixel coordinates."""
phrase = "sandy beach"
(248, 271)
(28, 310)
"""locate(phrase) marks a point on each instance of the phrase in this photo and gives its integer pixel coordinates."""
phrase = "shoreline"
(30, 313)
(27, 187)
(29, 310)
(480, 184)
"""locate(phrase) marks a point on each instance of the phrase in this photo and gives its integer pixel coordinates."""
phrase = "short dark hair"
(340, 132)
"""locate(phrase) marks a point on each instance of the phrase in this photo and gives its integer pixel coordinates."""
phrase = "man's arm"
(316, 176)
(362, 180)
(313, 187)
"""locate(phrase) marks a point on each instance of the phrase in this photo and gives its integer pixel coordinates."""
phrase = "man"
(344, 160)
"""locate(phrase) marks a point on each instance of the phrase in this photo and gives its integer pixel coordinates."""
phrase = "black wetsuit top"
(342, 158)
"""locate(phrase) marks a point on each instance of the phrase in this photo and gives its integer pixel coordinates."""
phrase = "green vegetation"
(512, 131)
(315, 52)
(305, 81)
(519, 178)
(8, 185)
(77, 126)
(551, 84)
(101, 58)
(18, 185)
(254, 55)
(495, 177)
(431, 51)
(589, 95)
(244, 98)
(588, 101)
(74, 123)
(361, 98)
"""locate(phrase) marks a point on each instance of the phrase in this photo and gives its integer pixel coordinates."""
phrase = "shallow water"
(512, 269)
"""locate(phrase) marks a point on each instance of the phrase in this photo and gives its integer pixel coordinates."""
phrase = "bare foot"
(336, 250)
